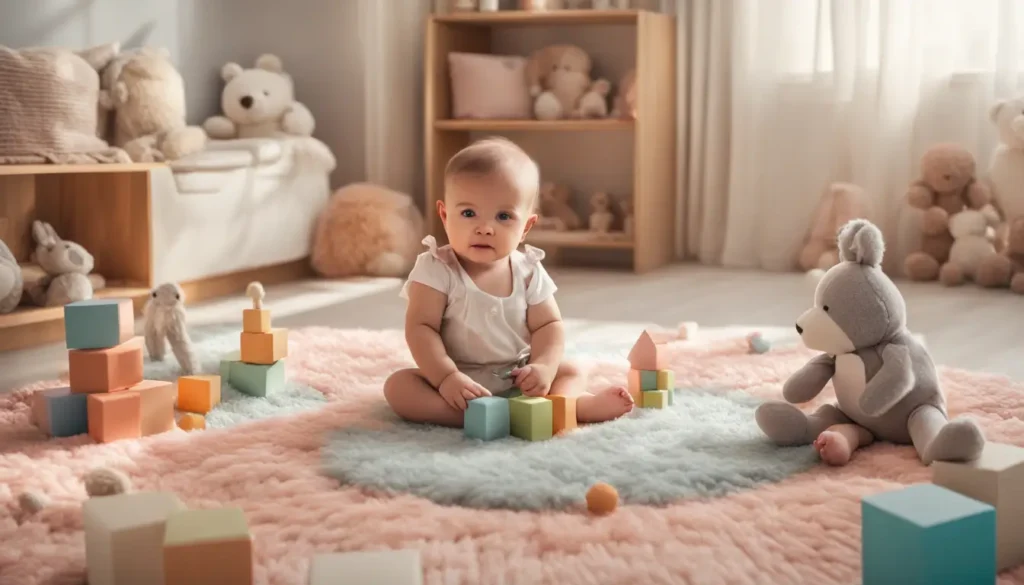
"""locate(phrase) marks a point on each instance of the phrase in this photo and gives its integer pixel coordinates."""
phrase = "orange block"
(647, 354)
(198, 393)
(157, 406)
(563, 413)
(264, 348)
(191, 421)
(105, 370)
(116, 416)
(256, 320)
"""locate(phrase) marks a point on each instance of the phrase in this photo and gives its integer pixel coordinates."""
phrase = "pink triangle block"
(647, 354)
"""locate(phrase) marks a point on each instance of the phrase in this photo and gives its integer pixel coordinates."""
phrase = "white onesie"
(482, 333)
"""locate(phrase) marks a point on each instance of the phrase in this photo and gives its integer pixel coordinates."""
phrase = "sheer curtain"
(781, 97)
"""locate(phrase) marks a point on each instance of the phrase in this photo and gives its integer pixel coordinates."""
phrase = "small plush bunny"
(11, 280)
(66, 264)
(165, 323)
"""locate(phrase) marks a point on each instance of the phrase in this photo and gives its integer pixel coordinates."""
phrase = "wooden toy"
(190, 421)
(264, 348)
(531, 418)
(487, 418)
(647, 355)
(208, 547)
(225, 365)
(385, 567)
(257, 379)
(98, 323)
(198, 394)
(563, 413)
(640, 380)
(996, 478)
(106, 370)
(927, 535)
(124, 537)
(256, 319)
(114, 416)
(655, 398)
(666, 380)
(602, 499)
(58, 412)
(156, 404)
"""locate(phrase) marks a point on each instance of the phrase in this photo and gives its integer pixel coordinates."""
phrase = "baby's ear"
(861, 241)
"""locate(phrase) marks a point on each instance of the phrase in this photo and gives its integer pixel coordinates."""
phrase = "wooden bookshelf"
(649, 157)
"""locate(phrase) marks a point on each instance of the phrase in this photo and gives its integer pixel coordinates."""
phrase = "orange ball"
(602, 499)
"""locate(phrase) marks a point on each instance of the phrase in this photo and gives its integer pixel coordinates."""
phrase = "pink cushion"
(489, 86)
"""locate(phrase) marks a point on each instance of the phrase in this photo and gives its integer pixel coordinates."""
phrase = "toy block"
(116, 416)
(647, 354)
(225, 366)
(563, 413)
(487, 418)
(671, 393)
(58, 412)
(666, 380)
(264, 348)
(655, 399)
(531, 418)
(106, 370)
(996, 478)
(208, 547)
(190, 421)
(927, 535)
(640, 380)
(257, 379)
(198, 394)
(256, 320)
(156, 400)
(384, 567)
(98, 323)
(124, 537)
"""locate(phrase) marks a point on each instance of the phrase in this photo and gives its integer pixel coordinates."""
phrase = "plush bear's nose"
(799, 330)
(246, 101)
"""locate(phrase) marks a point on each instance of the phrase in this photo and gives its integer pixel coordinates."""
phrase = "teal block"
(257, 379)
(63, 413)
(927, 535)
(487, 418)
(532, 418)
(98, 323)
(225, 366)
(671, 396)
(648, 379)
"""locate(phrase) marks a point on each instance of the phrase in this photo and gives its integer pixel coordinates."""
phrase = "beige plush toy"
(1006, 166)
(556, 211)
(367, 230)
(840, 203)
(625, 97)
(594, 103)
(1007, 269)
(947, 186)
(601, 217)
(972, 245)
(145, 96)
(558, 77)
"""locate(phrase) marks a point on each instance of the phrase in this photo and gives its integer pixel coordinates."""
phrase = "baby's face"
(485, 218)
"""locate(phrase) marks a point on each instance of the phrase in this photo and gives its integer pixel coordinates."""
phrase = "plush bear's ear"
(269, 62)
(993, 112)
(861, 241)
(230, 71)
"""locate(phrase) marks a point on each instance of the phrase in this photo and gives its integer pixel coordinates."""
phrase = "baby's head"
(490, 196)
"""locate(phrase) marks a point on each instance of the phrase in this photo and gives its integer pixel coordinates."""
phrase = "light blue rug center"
(707, 444)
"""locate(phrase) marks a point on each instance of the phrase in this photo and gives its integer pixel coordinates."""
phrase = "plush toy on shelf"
(625, 98)
(601, 217)
(840, 203)
(259, 103)
(594, 103)
(67, 265)
(972, 248)
(11, 280)
(626, 203)
(558, 77)
(556, 211)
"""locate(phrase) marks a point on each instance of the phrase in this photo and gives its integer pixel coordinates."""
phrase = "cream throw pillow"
(489, 86)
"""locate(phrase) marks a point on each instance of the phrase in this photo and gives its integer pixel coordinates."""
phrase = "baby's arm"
(547, 345)
(423, 333)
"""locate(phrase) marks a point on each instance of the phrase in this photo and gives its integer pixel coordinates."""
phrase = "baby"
(482, 316)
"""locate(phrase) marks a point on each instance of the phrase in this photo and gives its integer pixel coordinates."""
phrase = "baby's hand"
(534, 379)
(458, 388)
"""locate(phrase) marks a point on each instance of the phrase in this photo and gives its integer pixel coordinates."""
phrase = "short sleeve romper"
(482, 333)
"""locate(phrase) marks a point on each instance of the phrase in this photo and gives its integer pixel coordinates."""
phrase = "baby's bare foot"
(833, 447)
(605, 405)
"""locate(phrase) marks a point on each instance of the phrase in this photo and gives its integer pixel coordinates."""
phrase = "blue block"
(487, 418)
(98, 323)
(257, 379)
(927, 535)
(60, 413)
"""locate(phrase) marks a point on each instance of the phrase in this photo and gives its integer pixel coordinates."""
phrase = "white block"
(389, 567)
(124, 537)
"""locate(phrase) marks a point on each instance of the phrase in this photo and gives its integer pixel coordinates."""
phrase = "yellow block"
(198, 393)
(191, 421)
(264, 348)
(256, 320)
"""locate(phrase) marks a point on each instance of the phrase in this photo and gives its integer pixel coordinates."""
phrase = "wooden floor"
(966, 328)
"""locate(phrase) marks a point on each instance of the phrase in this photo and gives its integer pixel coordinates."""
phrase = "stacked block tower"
(650, 383)
(106, 395)
(258, 369)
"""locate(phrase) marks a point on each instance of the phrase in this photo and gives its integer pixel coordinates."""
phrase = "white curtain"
(780, 97)
(392, 37)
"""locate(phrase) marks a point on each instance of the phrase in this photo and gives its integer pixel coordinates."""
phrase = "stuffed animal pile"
(562, 86)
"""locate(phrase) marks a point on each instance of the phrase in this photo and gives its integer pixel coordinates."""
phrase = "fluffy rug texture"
(804, 528)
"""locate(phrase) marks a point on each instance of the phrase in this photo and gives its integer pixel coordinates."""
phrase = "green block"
(666, 380)
(655, 398)
(532, 418)
(671, 396)
(649, 380)
(225, 366)
(257, 379)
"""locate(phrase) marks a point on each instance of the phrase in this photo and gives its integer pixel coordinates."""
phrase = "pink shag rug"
(805, 529)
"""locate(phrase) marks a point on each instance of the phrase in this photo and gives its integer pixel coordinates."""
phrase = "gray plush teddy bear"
(886, 384)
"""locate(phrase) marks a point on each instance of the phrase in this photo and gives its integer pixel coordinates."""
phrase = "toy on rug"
(166, 324)
(757, 343)
(947, 186)
(259, 368)
(973, 249)
(602, 499)
(98, 482)
(66, 264)
(259, 103)
(886, 383)
(145, 95)
(556, 210)
(650, 382)
(625, 99)
(601, 216)
(367, 230)
(840, 203)
(12, 281)
(531, 418)
(559, 77)
(1006, 164)
(1010, 269)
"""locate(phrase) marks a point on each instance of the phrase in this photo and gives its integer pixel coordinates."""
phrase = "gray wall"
(317, 39)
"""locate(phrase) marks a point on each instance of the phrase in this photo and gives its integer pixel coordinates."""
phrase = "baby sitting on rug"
(478, 307)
